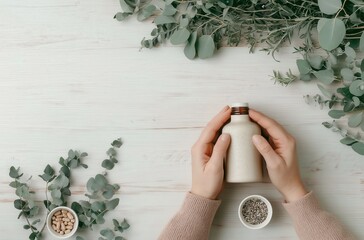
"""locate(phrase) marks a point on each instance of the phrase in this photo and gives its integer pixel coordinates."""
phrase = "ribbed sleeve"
(313, 223)
(193, 221)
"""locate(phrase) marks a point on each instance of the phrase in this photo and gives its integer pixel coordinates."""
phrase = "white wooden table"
(73, 77)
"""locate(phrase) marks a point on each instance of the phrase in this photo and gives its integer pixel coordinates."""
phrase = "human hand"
(208, 158)
(280, 157)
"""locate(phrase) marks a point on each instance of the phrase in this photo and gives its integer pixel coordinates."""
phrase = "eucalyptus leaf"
(331, 33)
(180, 36)
(112, 204)
(357, 88)
(329, 6)
(117, 143)
(190, 49)
(303, 66)
(347, 74)
(325, 76)
(108, 233)
(124, 224)
(355, 120)
(146, 12)
(336, 114)
(14, 173)
(361, 45)
(169, 10)
(164, 20)
(205, 46)
(108, 164)
(358, 147)
(315, 61)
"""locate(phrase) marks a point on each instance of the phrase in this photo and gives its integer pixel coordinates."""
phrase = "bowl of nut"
(255, 212)
(62, 222)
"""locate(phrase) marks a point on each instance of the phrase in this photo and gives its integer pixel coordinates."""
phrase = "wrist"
(295, 193)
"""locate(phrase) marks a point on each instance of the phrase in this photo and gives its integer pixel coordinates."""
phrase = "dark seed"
(254, 211)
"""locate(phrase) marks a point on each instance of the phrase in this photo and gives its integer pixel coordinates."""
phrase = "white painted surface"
(73, 77)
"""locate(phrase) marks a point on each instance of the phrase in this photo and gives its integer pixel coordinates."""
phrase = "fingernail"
(225, 137)
(257, 139)
(225, 108)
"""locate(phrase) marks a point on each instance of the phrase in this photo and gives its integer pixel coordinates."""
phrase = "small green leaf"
(356, 101)
(116, 223)
(347, 74)
(357, 88)
(355, 120)
(348, 141)
(98, 206)
(71, 154)
(124, 224)
(121, 16)
(361, 45)
(100, 219)
(101, 181)
(14, 173)
(303, 66)
(111, 205)
(329, 6)
(205, 46)
(19, 204)
(315, 61)
(108, 233)
(336, 114)
(169, 10)
(117, 143)
(325, 76)
(22, 191)
(190, 49)
(111, 152)
(56, 193)
(358, 147)
(126, 7)
(108, 194)
(331, 33)
(107, 164)
(146, 12)
(119, 238)
(180, 36)
(164, 20)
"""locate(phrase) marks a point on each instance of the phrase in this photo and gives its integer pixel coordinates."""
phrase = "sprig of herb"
(99, 193)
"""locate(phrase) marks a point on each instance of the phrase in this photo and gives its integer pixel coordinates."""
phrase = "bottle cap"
(240, 104)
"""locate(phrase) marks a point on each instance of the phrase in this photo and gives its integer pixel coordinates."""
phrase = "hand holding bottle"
(280, 156)
(208, 158)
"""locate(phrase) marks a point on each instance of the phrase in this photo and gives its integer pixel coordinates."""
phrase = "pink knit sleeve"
(193, 220)
(312, 223)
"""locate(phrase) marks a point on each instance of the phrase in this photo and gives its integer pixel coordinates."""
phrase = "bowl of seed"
(255, 212)
(62, 222)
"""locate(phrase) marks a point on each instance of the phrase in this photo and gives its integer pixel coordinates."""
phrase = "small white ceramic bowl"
(54, 233)
(266, 221)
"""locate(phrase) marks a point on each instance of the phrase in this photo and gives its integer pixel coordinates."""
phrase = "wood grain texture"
(73, 77)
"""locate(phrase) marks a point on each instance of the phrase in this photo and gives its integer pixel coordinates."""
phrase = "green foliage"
(204, 26)
(100, 193)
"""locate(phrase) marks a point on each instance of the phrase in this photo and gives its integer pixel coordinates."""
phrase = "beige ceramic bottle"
(243, 161)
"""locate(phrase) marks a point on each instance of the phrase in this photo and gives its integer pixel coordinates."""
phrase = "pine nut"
(62, 222)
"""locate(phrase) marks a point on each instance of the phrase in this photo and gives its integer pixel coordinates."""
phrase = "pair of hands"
(279, 154)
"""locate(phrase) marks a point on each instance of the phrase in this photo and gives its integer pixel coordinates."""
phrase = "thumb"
(220, 149)
(270, 156)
